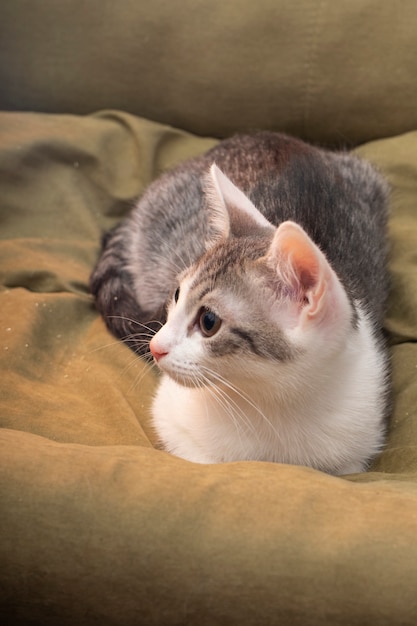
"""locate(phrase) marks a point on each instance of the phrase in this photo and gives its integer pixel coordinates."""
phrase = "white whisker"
(133, 321)
(231, 407)
(240, 393)
(147, 367)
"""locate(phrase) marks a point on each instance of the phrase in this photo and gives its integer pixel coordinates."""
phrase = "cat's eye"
(209, 322)
(176, 294)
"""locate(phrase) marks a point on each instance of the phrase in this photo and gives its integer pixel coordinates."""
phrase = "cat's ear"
(306, 274)
(229, 208)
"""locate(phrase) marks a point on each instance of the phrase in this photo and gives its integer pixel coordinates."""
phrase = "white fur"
(324, 410)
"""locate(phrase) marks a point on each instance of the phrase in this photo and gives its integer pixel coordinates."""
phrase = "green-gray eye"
(209, 322)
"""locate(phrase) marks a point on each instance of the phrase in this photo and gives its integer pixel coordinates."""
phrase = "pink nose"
(157, 351)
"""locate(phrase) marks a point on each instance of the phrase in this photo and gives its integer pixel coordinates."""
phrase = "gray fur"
(338, 199)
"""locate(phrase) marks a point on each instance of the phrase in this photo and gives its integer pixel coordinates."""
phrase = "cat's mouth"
(186, 376)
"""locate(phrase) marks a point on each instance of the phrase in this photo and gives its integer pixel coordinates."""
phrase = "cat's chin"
(184, 379)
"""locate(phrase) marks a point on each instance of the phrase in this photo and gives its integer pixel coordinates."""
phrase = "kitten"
(265, 259)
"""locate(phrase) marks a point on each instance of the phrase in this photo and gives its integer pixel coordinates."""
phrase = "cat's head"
(259, 298)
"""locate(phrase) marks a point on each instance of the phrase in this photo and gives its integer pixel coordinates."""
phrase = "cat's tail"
(111, 284)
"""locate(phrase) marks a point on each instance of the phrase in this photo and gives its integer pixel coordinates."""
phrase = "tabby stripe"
(247, 338)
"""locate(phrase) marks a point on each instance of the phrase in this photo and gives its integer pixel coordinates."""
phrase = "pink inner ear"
(294, 245)
(299, 260)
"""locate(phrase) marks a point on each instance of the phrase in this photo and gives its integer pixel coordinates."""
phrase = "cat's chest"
(214, 425)
(205, 425)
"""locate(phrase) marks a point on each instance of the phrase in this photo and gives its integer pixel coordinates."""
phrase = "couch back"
(333, 72)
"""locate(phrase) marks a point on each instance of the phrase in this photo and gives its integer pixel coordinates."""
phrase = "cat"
(258, 269)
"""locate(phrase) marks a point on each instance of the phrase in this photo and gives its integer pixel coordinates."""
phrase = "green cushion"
(334, 72)
(100, 527)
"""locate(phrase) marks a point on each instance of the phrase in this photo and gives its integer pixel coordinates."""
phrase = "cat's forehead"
(228, 259)
(226, 272)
